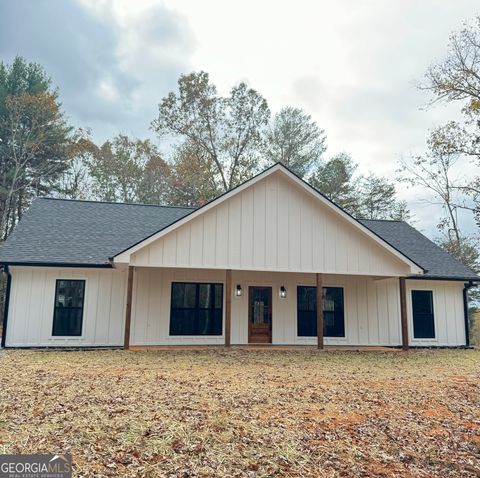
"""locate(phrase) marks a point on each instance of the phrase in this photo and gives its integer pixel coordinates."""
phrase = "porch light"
(283, 292)
(238, 291)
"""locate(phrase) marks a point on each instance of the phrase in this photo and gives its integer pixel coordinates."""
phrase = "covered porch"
(197, 307)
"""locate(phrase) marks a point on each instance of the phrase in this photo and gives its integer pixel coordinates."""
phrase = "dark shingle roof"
(420, 249)
(83, 232)
(57, 231)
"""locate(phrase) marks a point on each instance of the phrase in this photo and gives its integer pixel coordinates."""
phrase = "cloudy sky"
(351, 64)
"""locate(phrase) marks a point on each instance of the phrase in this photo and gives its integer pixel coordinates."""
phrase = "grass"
(258, 413)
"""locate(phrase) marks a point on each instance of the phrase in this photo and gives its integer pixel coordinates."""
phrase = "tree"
(367, 197)
(377, 200)
(295, 140)
(75, 182)
(155, 185)
(435, 172)
(34, 139)
(192, 177)
(335, 179)
(465, 250)
(457, 79)
(225, 132)
(128, 170)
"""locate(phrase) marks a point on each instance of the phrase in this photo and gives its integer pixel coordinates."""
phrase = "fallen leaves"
(239, 413)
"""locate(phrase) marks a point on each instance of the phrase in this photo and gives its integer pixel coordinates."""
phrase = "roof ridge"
(112, 202)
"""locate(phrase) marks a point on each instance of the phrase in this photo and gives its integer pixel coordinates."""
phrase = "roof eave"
(445, 278)
(94, 265)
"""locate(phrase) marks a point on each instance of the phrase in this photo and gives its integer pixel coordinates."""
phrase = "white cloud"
(352, 65)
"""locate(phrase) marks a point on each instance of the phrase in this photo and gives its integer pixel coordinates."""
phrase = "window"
(196, 309)
(68, 311)
(423, 319)
(333, 312)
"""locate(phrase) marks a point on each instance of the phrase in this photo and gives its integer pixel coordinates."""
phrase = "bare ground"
(246, 413)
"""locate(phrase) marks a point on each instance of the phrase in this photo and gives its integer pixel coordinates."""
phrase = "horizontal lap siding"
(273, 225)
(30, 317)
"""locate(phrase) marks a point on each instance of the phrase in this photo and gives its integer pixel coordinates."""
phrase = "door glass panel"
(260, 306)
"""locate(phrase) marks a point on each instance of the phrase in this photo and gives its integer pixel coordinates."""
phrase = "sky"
(353, 66)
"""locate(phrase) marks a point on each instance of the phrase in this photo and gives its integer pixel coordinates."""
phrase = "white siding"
(273, 225)
(30, 317)
(372, 308)
(447, 310)
(151, 305)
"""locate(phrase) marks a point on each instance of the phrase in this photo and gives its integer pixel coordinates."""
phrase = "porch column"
(228, 306)
(403, 313)
(128, 309)
(319, 311)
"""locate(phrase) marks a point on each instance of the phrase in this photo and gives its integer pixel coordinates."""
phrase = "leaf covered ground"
(252, 413)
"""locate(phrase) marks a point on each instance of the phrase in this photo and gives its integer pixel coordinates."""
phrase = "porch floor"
(254, 347)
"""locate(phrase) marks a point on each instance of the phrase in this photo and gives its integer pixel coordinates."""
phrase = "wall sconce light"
(238, 291)
(283, 292)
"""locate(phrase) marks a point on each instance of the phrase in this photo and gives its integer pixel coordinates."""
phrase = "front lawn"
(253, 413)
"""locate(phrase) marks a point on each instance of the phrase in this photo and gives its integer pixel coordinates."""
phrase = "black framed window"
(333, 312)
(68, 310)
(423, 318)
(196, 309)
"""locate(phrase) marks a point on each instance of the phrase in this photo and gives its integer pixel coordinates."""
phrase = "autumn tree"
(128, 170)
(34, 139)
(225, 132)
(295, 140)
(456, 80)
(75, 181)
(192, 177)
(454, 148)
(436, 172)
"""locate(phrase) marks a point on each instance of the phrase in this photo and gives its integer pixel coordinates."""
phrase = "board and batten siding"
(372, 308)
(274, 225)
(32, 299)
(448, 312)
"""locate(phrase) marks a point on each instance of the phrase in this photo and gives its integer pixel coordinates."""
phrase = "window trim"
(327, 337)
(173, 336)
(435, 325)
(82, 332)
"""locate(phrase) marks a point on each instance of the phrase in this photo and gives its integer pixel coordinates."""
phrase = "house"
(271, 261)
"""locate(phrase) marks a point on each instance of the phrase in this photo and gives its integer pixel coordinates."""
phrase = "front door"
(260, 315)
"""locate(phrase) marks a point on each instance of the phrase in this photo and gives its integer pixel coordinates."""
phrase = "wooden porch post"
(128, 309)
(319, 311)
(403, 313)
(228, 306)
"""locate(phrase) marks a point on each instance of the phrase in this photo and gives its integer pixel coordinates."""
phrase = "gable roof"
(124, 256)
(89, 233)
(58, 231)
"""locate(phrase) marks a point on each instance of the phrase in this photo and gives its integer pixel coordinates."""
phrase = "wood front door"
(260, 315)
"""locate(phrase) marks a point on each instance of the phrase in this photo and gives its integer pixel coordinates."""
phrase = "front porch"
(263, 309)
